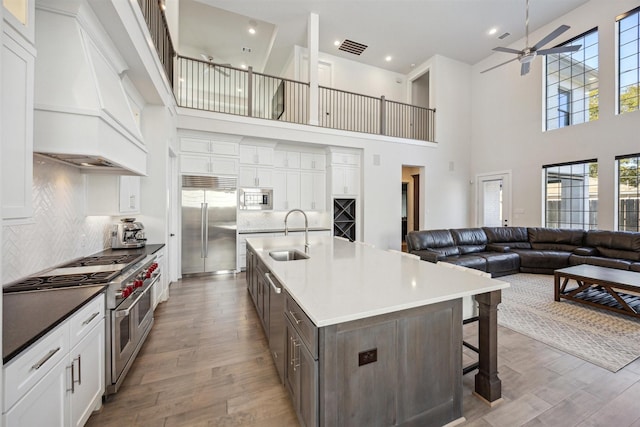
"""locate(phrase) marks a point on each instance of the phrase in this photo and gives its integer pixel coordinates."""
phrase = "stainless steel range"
(130, 279)
(130, 311)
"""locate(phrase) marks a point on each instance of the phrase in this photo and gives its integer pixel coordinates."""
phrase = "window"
(628, 194)
(572, 83)
(628, 63)
(571, 194)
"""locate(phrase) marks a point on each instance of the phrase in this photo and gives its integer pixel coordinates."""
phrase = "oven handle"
(125, 311)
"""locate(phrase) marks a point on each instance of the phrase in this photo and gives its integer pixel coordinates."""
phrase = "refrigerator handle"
(202, 228)
(206, 230)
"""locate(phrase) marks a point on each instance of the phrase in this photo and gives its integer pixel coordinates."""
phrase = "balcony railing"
(157, 24)
(205, 85)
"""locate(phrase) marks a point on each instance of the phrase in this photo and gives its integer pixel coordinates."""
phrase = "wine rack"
(344, 218)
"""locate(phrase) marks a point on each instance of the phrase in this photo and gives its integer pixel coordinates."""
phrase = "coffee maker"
(128, 234)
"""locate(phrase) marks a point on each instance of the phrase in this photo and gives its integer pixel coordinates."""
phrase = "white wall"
(356, 77)
(159, 129)
(507, 119)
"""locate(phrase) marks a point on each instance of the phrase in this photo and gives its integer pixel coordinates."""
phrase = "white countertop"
(344, 281)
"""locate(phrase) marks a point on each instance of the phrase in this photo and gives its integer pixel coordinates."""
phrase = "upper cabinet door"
(18, 66)
(256, 155)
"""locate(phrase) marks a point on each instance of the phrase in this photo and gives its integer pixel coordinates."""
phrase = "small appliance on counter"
(128, 234)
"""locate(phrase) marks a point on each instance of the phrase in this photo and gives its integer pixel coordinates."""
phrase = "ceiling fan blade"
(508, 50)
(499, 65)
(559, 49)
(552, 35)
(524, 68)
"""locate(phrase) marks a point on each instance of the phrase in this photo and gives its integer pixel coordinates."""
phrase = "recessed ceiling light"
(336, 43)
(388, 58)
(243, 66)
(492, 31)
(252, 30)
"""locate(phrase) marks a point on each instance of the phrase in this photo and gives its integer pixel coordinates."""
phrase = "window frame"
(561, 222)
(619, 59)
(585, 99)
(618, 223)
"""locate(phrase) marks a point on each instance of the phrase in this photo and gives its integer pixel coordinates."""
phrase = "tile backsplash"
(59, 230)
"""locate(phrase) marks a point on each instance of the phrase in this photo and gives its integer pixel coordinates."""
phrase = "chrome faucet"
(306, 228)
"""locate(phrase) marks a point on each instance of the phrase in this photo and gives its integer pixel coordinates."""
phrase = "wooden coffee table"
(602, 287)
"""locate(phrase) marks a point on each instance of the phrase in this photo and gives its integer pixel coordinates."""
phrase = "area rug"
(606, 339)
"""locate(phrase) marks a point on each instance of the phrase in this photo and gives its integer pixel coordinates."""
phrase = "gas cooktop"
(86, 271)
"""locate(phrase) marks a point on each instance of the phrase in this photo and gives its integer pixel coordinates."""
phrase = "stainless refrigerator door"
(220, 245)
(193, 248)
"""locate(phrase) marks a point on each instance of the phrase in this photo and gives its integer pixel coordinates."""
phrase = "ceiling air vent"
(504, 36)
(352, 47)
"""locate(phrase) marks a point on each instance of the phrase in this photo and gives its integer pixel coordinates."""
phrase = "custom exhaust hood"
(82, 113)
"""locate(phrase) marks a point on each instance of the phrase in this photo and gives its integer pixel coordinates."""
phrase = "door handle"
(276, 289)
(206, 230)
(202, 230)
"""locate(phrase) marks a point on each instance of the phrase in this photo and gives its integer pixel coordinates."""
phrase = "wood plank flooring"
(206, 363)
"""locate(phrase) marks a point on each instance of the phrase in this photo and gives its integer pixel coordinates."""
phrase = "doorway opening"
(410, 208)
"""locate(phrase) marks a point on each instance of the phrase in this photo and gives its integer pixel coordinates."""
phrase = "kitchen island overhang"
(346, 286)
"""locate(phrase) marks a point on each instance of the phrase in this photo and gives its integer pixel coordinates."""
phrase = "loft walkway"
(205, 85)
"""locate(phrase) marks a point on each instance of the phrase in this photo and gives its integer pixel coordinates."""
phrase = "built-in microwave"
(256, 199)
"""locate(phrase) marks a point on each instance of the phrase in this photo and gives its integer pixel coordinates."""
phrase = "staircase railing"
(157, 24)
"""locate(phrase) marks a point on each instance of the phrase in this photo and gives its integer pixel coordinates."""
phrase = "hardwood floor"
(206, 363)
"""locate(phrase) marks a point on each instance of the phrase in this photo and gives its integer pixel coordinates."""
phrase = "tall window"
(628, 62)
(572, 83)
(571, 194)
(628, 194)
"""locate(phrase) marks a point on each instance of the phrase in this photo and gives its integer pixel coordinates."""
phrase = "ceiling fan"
(214, 66)
(528, 54)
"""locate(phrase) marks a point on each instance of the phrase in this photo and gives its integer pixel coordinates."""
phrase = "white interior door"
(493, 194)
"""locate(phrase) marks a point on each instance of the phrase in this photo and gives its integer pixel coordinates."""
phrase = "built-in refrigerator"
(209, 206)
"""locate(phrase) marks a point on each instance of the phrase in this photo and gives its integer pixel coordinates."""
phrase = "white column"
(313, 40)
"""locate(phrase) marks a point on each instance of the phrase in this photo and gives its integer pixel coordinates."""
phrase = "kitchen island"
(371, 337)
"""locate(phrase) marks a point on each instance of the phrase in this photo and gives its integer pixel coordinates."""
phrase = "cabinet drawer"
(86, 318)
(33, 364)
(303, 325)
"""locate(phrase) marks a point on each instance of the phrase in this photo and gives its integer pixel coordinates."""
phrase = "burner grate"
(61, 281)
(104, 260)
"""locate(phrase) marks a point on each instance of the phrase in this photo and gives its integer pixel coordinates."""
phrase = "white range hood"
(82, 113)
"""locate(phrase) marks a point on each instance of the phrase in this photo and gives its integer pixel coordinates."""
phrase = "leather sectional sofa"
(508, 250)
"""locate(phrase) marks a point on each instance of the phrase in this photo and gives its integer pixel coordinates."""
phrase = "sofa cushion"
(513, 237)
(430, 239)
(615, 244)
(555, 239)
(469, 240)
(547, 260)
(619, 264)
(498, 263)
(470, 260)
(428, 255)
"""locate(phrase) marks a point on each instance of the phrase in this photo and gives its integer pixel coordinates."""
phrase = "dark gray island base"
(401, 368)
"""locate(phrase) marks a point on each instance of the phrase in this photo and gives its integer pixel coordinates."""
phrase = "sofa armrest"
(498, 248)
(585, 251)
(429, 255)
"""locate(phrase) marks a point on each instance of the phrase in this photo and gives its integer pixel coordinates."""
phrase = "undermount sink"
(288, 255)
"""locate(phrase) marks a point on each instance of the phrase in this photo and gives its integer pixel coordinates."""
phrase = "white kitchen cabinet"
(242, 247)
(59, 380)
(129, 192)
(313, 161)
(286, 159)
(251, 176)
(112, 194)
(313, 192)
(45, 404)
(160, 291)
(256, 155)
(18, 65)
(345, 180)
(345, 159)
(209, 165)
(286, 190)
(87, 360)
(207, 146)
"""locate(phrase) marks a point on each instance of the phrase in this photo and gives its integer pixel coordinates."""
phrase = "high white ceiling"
(410, 31)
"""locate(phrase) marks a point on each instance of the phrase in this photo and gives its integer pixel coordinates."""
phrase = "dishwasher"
(276, 323)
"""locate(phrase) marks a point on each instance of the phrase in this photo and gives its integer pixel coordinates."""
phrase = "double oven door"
(130, 324)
